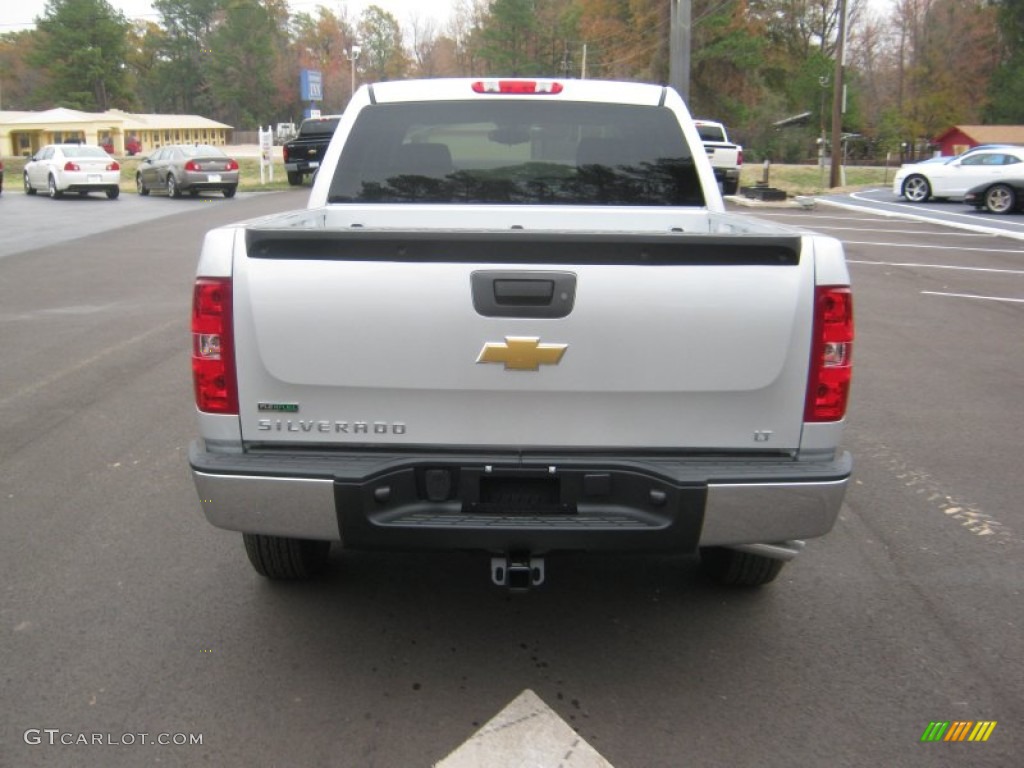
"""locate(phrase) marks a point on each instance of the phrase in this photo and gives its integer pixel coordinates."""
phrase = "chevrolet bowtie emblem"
(522, 353)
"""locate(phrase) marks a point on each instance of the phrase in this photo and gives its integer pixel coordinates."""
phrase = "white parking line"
(903, 211)
(933, 247)
(525, 733)
(877, 219)
(32, 389)
(938, 266)
(972, 235)
(972, 296)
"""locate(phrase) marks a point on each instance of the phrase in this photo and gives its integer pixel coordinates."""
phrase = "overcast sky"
(19, 14)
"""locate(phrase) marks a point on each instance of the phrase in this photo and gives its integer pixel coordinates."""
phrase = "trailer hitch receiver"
(518, 573)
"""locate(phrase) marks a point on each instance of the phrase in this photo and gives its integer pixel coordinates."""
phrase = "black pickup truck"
(304, 153)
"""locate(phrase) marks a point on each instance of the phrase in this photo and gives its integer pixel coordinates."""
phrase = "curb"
(800, 201)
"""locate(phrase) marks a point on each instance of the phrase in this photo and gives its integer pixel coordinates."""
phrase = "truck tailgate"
(677, 341)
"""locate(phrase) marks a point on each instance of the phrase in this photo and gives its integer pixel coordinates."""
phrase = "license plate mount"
(520, 495)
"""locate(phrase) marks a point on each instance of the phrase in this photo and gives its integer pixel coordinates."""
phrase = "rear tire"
(230, 191)
(1000, 198)
(172, 187)
(730, 187)
(294, 178)
(51, 188)
(738, 569)
(113, 192)
(284, 559)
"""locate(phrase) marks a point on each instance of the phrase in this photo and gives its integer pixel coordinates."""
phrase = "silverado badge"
(522, 353)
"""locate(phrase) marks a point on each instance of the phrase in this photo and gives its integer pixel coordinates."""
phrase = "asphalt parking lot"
(949, 213)
(35, 221)
(124, 613)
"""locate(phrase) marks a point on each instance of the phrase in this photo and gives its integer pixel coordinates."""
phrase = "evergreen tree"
(181, 75)
(507, 38)
(242, 58)
(82, 45)
(1006, 91)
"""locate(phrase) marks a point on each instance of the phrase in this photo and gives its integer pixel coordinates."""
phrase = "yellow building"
(24, 133)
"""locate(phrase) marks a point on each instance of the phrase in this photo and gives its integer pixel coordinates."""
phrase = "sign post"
(266, 139)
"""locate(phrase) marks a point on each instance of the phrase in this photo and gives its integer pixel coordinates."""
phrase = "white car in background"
(81, 168)
(919, 182)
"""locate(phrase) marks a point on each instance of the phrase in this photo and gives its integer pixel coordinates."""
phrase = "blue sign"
(311, 85)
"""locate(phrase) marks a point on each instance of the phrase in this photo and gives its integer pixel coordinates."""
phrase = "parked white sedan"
(81, 168)
(919, 182)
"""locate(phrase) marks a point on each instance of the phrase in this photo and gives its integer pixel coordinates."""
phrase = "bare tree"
(424, 44)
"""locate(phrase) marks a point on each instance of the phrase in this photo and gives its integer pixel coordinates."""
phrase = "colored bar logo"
(959, 730)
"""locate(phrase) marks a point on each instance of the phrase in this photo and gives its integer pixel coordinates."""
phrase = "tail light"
(284, 152)
(69, 166)
(192, 165)
(231, 166)
(828, 385)
(113, 166)
(213, 354)
(739, 157)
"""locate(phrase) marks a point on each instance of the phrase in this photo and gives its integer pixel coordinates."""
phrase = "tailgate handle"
(524, 292)
(531, 294)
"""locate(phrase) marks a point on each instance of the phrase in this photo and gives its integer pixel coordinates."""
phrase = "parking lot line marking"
(972, 235)
(53, 378)
(938, 266)
(972, 296)
(934, 247)
(526, 732)
(902, 211)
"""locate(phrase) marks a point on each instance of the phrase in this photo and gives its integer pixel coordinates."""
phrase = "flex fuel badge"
(278, 407)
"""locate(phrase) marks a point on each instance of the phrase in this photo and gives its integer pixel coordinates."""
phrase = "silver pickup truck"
(515, 318)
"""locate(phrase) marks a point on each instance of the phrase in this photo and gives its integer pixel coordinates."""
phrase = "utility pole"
(352, 54)
(679, 47)
(839, 90)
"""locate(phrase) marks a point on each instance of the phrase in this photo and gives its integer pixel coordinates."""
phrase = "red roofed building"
(960, 138)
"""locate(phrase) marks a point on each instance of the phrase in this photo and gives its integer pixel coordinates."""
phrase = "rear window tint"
(323, 127)
(516, 152)
(710, 132)
(201, 150)
(85, 151)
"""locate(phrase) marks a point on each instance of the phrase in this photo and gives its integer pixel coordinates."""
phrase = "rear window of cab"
(516, 152)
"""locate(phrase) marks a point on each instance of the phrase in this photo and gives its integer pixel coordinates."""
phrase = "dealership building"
(25, 133)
